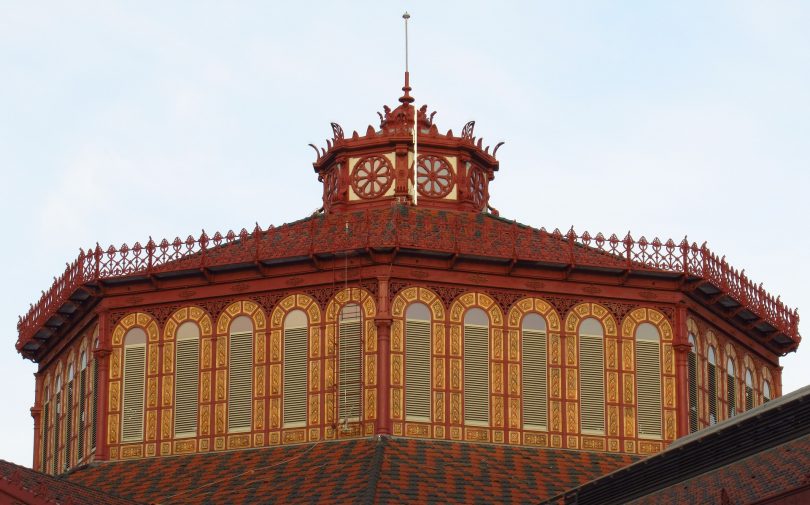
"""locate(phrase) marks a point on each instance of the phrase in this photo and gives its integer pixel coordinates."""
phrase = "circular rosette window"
(476, 187)
(372, 176)
(434, 178)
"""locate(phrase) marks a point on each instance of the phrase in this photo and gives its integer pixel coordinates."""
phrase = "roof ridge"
(375, 470)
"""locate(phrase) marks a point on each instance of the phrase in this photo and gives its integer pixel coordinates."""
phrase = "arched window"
(417, 362)
(693, 384)
(57, 421)
(46, 410)
(82, 405)
(749, 389)
(240, 375)
(592, 376)
(295, 369)
(187, 373)
(648, 379)
(134, 378)
(535, 386)
(69, 415)
(350, 353)
(766, 391)
(476, 367)
(712, 385)
(731, 389)
(94, 402)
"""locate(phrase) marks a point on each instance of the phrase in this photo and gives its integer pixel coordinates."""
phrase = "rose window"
(434, 177)
(477, 187)
(372, 177)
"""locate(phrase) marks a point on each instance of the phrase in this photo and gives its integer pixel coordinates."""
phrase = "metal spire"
(407, 88)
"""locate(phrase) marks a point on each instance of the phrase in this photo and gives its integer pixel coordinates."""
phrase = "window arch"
(187, 376)
(749, 389)
(240, 374)
(711, 356)
(648, 379)
(731, 388)
(296, 324)
(417, 362)
(693, 384)
(82, 392)
(476, 367)
(350, 353)
(134, 381)
(592, 376)
(69, 395)
(534, 381)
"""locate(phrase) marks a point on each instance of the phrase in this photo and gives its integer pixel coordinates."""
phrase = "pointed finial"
(406, 97)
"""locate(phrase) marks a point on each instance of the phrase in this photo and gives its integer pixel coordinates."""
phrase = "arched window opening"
(295, 369)
(94, 396)
(134, 381)
(417, 362)
(731, 389)
(240, 375)
(648, 383)
(592, 376)
(187, 376)
(82, 392)
(476, 367)
(712, 385)
(57, 421)
(69, 415)
(693, 384)
(766, 391)
(535, 386)
(749, 389)
(45, 425)
(350, 354)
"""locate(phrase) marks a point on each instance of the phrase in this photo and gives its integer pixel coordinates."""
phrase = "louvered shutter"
(82, 414)
(56, 426)
(240, 381)
(134, 374)
(417, 370)
(45, 421)
(94, 405)
(295, 376)
(749, 390)
(731, 394)
(186, 387)
(69, 424)
(648, 373)
(350, 362)
(712, 386)
(476, 375)
(592, 383)
(693, 393)
(535, 388)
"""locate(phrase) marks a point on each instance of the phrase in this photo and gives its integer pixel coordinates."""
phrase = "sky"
(121, 121)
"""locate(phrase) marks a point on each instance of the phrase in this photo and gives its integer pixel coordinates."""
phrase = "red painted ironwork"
(372, 176)
(408, 227)
(434, 177)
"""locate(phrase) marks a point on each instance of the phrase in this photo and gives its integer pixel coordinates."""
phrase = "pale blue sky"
(119, 121)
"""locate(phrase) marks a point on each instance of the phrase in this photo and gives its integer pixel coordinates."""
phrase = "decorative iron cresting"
(399, 226)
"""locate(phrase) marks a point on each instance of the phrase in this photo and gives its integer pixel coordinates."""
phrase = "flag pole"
(406, 17)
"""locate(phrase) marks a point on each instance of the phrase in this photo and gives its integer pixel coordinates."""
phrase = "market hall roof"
(370, 205)
(368, 470)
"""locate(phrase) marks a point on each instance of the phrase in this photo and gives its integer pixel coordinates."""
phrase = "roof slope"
(23, 485)
(377, 470)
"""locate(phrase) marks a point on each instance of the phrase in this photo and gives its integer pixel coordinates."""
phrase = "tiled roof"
(768, 474)
(23, 485)
(377, 470)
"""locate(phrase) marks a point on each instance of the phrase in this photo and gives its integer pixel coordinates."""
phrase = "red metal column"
(681, 346)
(383, 322)
(102, 356)
(36, 413)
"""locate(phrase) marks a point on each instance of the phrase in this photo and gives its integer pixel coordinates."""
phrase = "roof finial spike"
(406, 97)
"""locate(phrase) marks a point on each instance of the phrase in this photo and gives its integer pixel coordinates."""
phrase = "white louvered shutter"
(134, 376)
(648, 378)
(592, 383)
(476, 375)
(187, 387)
(295, 376)
(350, 354)
(240, 381)
(535, 388)
(417, 370)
